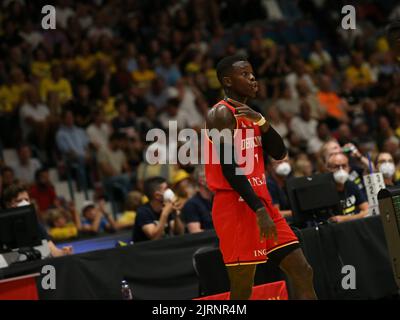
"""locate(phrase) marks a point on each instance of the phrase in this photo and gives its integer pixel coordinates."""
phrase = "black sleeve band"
(238, 182)
(273, 144)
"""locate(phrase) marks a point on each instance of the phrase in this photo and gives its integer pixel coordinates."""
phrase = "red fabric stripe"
(19, 289)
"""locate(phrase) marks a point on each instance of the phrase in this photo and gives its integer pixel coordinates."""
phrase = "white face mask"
(168, 195)
(283, 169)
(23, 203)
(341, 176)
(387, 169)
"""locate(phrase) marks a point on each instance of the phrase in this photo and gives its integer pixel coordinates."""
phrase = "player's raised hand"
(266, 225)
(248, 113)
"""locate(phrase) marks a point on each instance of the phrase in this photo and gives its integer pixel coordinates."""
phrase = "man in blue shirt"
(197, 210)
(167, 70)
(279, 172)
(97, 219)
(73, 143)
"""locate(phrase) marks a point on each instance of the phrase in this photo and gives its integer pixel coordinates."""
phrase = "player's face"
(243, 81)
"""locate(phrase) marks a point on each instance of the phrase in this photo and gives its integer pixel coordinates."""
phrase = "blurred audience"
(26, 166)
(64, 93)
(63, 224)
(133, 201)
(96, 219)
(113, 165)
(43, 192)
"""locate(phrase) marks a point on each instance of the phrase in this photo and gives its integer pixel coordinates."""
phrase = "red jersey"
(235, 223)
(248, 148)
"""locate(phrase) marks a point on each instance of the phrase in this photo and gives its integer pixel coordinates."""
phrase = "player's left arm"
(272, 142)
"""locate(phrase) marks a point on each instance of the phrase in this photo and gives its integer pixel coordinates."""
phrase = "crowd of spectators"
(81, 98)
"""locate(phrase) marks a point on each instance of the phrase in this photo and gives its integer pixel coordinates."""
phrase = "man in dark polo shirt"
(159, 217)
(353, 202)
(197, 210)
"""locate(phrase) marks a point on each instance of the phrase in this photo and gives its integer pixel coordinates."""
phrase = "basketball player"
(250, 229)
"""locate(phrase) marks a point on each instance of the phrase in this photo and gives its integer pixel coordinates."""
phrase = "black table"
(163, 269)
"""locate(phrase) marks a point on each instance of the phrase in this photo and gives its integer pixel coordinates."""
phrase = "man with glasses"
(353, 203)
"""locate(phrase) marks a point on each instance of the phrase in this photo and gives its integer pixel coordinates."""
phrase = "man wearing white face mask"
(279, 171)
(161, 215)
(385, 164)
(17, 195)
(353, 202)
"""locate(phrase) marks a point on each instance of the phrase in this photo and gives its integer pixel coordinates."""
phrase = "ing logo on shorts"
(259, 253)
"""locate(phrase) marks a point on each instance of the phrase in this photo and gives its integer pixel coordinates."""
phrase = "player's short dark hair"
(151, 185)
(224, 66)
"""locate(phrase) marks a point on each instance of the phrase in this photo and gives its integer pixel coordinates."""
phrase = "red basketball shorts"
(237, 229)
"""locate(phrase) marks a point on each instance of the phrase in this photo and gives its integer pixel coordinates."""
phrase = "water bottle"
(126, 291)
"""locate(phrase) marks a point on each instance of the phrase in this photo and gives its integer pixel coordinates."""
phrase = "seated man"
(279, 171)
(35, 119)
(16, 196)
(358, 163)
(7, 177)
(43, 192)
(96, 219)
(157, 218)
(73, 143)
(113, 165)
(353, 202)
(26, 166)
(197, 210)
